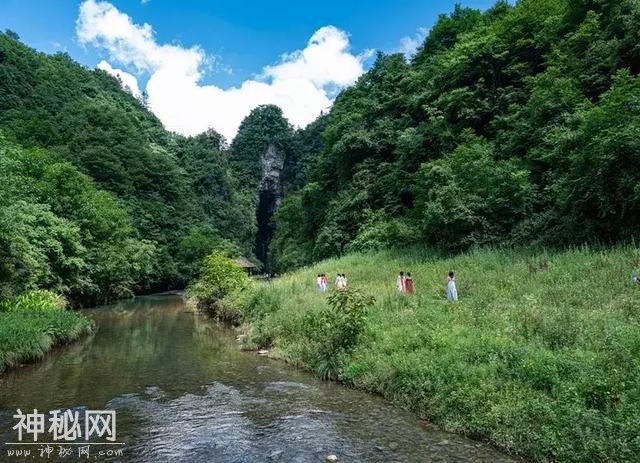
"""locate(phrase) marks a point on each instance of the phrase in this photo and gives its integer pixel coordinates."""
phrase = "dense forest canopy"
(100, 201)
(516, 125)
(94, 180)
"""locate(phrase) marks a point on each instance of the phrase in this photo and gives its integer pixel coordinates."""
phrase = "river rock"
(331, 458)
(263, 352)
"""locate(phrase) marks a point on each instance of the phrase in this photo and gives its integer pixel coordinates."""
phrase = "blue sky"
(237, 39)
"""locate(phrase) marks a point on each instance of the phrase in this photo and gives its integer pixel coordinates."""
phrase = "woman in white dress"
(452, 291)
(400, 282)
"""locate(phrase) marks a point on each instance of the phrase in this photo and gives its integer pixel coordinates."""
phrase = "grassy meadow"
(539, 357)
(33, 323)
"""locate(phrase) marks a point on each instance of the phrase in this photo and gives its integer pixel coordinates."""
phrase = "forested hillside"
(269, 160)
(98, 200)
(510, 134)
(517, 125)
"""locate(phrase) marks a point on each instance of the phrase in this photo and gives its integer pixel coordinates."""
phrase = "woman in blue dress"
(452, 291)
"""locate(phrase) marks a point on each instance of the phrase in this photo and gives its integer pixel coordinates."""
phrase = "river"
(184, 392)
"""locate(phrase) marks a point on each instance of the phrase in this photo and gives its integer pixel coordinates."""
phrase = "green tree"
(596, 185)
(219, 277)
(469, 198)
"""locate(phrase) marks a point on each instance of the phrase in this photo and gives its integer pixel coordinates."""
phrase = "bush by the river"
(32, 323)
(219, 283)
(540, 356)
(335, 331)
(38, 299)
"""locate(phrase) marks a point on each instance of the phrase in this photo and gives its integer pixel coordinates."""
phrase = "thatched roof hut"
(245, 263)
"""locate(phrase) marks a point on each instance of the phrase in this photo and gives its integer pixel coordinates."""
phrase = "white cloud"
(409, 44)
(58, 47)
(301, 83)
(324, 61)
(128, 81)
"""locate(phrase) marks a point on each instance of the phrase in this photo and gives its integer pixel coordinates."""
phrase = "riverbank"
(539, 357)
(33, 324)
(184, 392)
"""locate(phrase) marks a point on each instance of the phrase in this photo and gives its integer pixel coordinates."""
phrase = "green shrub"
(219, 279)
(381, 232)
(34, 300)
(345, 319)
(197, 244)
(336, 330)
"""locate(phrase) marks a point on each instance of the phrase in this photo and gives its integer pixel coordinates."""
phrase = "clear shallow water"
(183, 392)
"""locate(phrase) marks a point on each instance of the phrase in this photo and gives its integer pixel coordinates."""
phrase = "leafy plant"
(34, 300)
(337, 330)
(220, 277)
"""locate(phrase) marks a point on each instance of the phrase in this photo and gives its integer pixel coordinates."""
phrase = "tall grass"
(32, 323)
(540, 356)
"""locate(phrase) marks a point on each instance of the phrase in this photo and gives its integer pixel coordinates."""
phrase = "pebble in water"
(331, 459)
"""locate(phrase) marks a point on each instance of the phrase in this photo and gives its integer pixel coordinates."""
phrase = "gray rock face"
(272, 163)
(269, 197)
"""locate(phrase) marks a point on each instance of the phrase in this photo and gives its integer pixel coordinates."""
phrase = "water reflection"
(184, 392)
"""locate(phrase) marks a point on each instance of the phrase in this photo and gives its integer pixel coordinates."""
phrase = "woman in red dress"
(408, 284)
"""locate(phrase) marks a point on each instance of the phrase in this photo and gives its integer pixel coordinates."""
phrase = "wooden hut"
(246, 264)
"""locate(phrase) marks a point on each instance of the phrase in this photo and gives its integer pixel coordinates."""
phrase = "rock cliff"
(269, 197)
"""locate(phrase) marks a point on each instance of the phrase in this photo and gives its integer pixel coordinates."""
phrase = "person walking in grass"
(409, 288)
(452, 291)
(341, 281)
(324, 283)
(400, 282)
(319, 282)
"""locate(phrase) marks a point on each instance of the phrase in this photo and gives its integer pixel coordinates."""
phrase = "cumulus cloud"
(409, 44)
(128, 81)
(301, 82)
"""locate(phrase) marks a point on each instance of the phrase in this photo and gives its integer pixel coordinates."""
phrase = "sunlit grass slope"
(540, 356)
